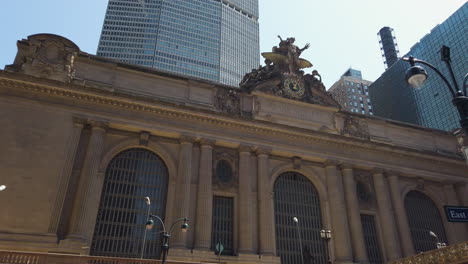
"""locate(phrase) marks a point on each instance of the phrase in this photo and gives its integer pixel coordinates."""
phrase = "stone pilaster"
(182, 197)
(354, 216)
(88, 193)
(400, 215)
(462, 191)
(245, 202)
(386, 218)
(338, 214)
(73, 140)
(265, 206)
(455, 231)
(204, 197)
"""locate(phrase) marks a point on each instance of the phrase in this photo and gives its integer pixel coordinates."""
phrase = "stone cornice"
(132, 102)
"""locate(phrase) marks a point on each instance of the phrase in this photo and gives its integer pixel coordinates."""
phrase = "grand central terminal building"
(92, 146)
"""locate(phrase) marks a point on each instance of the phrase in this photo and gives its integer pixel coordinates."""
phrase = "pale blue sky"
(342, 33)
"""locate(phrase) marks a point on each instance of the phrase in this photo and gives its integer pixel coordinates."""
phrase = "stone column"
(88, 192)
(387, 223)
(73, 141)
(182, 193)
(204, 196)
(339, 219)
(265, 206)
(462, 193)
(462, 190)
(354, 216)
(245, 204)
(455, 231)
(400, 215)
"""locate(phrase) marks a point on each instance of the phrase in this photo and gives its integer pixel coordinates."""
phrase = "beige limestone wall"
(34, 142)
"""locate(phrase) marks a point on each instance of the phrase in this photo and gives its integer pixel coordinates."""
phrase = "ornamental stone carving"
(227, 101)
(223, 179)
(355, 127)
(46, 56)
(283, 76)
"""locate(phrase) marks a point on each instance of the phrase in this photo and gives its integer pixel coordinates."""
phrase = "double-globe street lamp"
(326, 235)
(166, 234)
(417, 75)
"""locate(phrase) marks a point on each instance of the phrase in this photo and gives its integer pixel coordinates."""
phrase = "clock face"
(294, 87)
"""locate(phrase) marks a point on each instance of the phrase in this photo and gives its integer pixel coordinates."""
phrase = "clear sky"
(342, 33)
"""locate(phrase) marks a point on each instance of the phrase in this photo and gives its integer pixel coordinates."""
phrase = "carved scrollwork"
(227, 101)
(355, 127)
(46, 56)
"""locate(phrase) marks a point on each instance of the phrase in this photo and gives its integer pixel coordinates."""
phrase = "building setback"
(207, 39)
(86, 139)
(431, 105)
(352, 92)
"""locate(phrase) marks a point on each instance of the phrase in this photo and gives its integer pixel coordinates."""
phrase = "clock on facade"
(294, 86)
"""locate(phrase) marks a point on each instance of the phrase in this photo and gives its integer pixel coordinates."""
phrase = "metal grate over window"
(371, 239)
(130, 177)
(223, 225)
(423, 216)
(296, 196)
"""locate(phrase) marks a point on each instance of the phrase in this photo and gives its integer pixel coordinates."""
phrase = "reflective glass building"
(431, 105)
(207, 39)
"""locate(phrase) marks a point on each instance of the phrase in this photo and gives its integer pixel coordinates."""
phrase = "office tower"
(431, 105)
(388, 46)
(207, 39)
(352, 92)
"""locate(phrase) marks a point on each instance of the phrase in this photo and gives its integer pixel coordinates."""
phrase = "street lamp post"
(416, 75)
(300, 240)
(325, 234)
(148, 203)
(438, 244)
(166, 234)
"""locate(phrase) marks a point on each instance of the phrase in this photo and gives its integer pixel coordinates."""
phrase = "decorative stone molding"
(332, 163)
(297, 162)
(355, 127)
(227, 101)
(245, 148)
(378, 171)
(46, 56)
(346, 166)
(457, 253)
(204, 142)
(79, 121)
(144, 138)
(263, 151)
(232, 157)
(102, 125)
(187, 139)
(420, 184)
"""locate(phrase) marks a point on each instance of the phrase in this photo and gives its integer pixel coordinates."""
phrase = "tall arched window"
(131, 176)
(296, 196)
(423, 216)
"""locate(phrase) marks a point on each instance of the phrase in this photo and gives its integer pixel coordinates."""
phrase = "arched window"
(131, 176)
(423, 216)
(296, 196)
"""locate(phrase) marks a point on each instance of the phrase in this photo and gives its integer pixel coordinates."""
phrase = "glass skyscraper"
(431, 105)
(207, 39)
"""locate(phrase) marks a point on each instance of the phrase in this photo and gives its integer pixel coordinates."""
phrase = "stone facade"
(61, 130)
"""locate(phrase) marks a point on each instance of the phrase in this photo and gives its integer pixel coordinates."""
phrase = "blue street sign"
(456, 213)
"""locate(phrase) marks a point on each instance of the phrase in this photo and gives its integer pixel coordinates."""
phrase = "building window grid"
(130, 176)
(296, 196)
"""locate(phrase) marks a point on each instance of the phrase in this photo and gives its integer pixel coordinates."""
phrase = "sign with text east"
(456, 213)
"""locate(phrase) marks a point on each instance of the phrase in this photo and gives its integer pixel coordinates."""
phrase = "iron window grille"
(130, 177)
